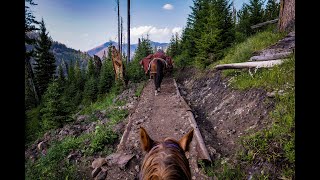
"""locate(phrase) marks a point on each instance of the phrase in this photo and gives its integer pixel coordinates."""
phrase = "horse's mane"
(166, 160)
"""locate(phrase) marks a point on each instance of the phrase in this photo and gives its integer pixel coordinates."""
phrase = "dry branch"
(264, 23)
(246, 65)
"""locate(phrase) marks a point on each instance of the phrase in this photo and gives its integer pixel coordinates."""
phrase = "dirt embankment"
(224, 114)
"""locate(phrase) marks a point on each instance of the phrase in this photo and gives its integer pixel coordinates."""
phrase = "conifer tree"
(106, 78)
(55, 111)
(134, 71)
(31, 92)
(272, 10)
(45, 62)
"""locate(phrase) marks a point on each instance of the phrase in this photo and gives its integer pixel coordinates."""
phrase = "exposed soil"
(162, 116)
(224, 114)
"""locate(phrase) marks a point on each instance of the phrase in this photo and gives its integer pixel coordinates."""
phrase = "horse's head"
(165, 159)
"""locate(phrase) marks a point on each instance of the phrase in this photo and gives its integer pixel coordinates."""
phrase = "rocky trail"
(164, 115)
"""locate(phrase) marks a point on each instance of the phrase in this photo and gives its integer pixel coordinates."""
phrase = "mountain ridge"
(103, 48)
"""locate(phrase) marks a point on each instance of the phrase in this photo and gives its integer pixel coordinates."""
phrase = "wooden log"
(202, 150)
(281, 55)
(246, 65)
(264, 23)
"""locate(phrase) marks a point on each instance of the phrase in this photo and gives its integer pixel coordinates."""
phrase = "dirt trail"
(162, 116)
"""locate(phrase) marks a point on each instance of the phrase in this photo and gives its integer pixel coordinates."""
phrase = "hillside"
(63, 53)
(246, 121)
(103, 48)
(246, 118)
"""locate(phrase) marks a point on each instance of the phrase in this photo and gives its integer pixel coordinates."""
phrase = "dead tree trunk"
(118, 4)
(286, 15)
(121, 34)
(128, 35)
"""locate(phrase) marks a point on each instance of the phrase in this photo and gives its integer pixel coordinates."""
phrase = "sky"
(85, 24)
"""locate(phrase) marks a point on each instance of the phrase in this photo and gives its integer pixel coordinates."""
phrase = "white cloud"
(155, 34)
(177, 30)
(167, 7)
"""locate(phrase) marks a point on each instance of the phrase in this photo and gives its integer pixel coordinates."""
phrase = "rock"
(95, 171)
(42, 145)
(102, 175)
(137, 168)
(183, 92)
(82, 118)
(212, 151)
(98, 162)
(119, 159)
(72, 156)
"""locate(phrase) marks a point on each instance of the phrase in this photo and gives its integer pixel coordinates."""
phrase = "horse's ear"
(146, 141)
(186, 140)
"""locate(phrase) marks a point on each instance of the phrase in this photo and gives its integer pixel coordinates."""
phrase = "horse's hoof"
(156, 93)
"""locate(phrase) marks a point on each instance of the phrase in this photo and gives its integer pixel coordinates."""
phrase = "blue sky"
(85, 24)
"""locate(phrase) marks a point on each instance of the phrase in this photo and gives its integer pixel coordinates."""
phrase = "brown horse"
(166, 159)
(157, 68)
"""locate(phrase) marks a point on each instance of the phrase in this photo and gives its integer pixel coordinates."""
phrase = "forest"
(215, 33)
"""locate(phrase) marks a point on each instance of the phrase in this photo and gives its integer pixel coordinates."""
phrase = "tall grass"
(243, 51)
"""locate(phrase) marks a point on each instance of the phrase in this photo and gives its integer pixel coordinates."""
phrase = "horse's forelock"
(166, 160)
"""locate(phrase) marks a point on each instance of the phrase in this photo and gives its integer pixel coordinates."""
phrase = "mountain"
(103, 49)
(63, 54)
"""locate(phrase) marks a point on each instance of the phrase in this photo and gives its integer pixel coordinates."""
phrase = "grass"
(222, 170)
(276, 144)
(55, 165)
(243, 51)
(139, 89)
(33, 127)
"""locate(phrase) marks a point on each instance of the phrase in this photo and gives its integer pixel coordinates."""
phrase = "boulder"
(98, 162)
(119, 159)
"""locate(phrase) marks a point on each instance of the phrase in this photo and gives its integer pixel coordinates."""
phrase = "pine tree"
(243, 25)
(32, 92)
(256, 11)
(55, 111)
(90, 90)
(134, 71)
(45, 62)
(217, 32)
(272, 10)
(90, 68)
(106, 78)
(174, 48)
(61, 77)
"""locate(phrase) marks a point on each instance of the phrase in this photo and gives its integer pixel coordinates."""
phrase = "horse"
(157, 67)
(165, 159)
